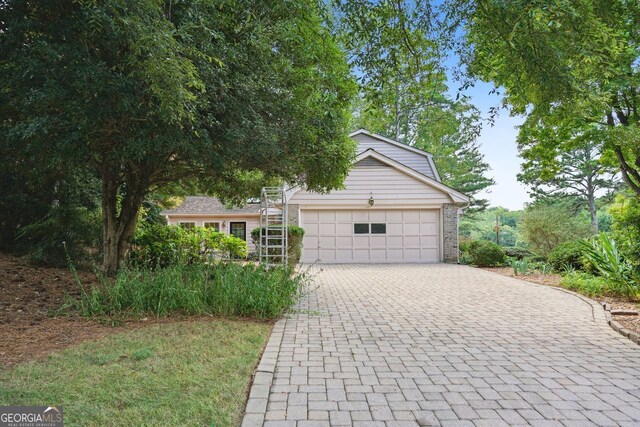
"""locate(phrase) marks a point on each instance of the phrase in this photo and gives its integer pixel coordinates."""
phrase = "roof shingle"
(203, 205)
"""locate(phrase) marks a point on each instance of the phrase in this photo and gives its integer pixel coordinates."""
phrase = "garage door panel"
(428, 253)
(361, 255)
(395, 254)
(411, 241)
(411, 236)
(428, 242)
(411, 229)
(345, 254)
(311, 229)
(394, 216)
(310, 216)
(431, 216)
(310, 255)
(377, 216)
(412, 254)
(378, 255)
(360, 216)
(378, 241)
(343, 216)
(429, 229)
(344, 229)
(327, 255)
(344, 241)
(327, 216)
(395, 242)
(411, 216)
(327, 229)
(394, 229)
(327, 242)
(361, 241)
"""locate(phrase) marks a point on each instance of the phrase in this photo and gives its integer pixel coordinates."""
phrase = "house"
(394, 208)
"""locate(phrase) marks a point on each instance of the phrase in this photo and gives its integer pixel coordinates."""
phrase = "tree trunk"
(118, 225)
(594, 213)
(591, 200)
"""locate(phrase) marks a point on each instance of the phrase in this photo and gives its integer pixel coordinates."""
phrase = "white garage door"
(334, 236)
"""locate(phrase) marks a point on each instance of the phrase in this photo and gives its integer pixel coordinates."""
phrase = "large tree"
(149, 92)
(403, 92)
(568, 65)
(565, 166)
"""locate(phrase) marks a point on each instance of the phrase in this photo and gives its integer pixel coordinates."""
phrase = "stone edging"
(633, 336)
(256, 407)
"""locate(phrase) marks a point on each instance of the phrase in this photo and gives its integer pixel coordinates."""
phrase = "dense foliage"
(227, 289)
(145, 93)
(567, 255)
(572, 67)
(159, 246)
(545, 227)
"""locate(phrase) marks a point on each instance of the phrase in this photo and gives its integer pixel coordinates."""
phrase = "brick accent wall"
(294, 214)
(450, 230)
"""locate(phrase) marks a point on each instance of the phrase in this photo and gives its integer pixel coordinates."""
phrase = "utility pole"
(497, 229)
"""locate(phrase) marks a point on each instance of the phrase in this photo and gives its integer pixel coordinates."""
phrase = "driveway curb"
(256, 407)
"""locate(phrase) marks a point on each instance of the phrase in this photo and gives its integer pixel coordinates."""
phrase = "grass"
(224, 289)
(189, 373)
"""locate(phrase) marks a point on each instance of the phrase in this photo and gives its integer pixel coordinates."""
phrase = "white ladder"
(273, 227)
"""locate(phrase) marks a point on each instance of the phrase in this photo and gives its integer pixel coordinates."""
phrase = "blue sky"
(498, 144)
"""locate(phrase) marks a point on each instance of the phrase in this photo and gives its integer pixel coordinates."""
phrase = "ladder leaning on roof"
(273, 227)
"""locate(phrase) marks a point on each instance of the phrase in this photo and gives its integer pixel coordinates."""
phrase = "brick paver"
(427, 345)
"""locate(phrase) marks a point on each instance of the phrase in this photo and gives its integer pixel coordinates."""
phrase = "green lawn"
(188, 373)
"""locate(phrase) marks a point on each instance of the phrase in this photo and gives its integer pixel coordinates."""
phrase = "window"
(361, 228)
(214, 225)
(187, 224)
(238, 229)
(378, 228)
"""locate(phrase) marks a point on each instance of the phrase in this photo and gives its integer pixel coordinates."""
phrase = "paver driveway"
(443, 345)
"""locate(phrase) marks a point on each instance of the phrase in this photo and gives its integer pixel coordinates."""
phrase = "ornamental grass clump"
(221, 289)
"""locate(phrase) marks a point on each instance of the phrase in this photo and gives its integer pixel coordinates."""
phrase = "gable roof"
(203, 205)
(390, 141)
(455, 195)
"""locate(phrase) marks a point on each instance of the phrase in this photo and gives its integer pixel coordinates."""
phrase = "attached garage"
(393, 208)
(371, 236)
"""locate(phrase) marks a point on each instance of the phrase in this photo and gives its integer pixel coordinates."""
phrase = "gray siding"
(388, 186)
(415, 161)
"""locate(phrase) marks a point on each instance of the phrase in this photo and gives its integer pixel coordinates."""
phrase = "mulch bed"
(629, 322)
(30, 295)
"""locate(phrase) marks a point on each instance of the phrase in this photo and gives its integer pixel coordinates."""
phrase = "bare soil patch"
(31, 294)
(629, 322)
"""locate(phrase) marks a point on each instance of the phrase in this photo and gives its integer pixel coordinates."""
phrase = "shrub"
(64, 232)
(484, 253)
(157, 245)
(585, 283)
(294, 243)
(518, 253)
(625, 226)
(545, 227)
(602, 252)
(227, 289)
(567, 254)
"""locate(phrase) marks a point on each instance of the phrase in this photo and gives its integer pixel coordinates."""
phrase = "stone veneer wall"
(450, 229)
(293, 214)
